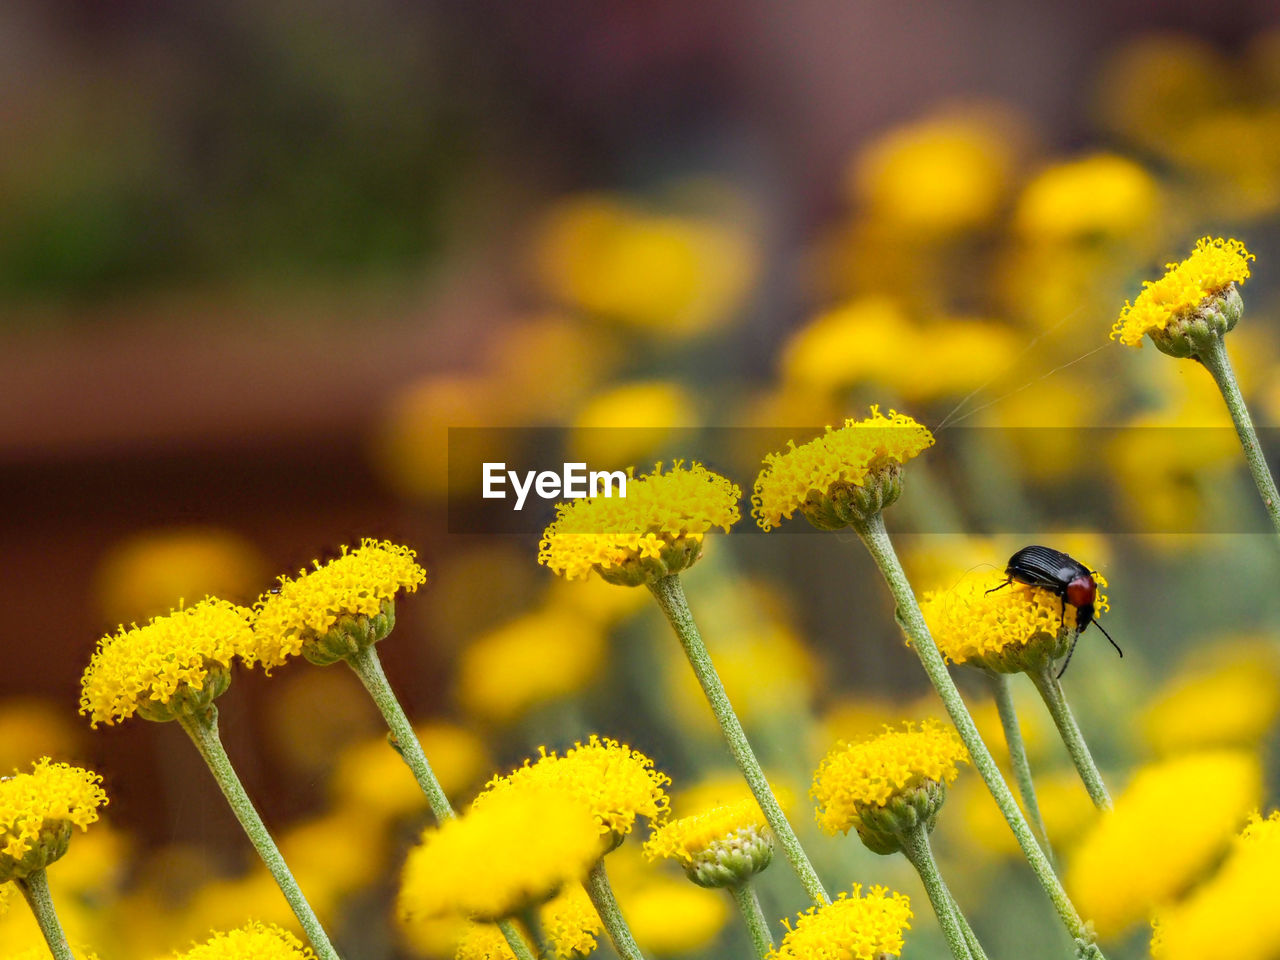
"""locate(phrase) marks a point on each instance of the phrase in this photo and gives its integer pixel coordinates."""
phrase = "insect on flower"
(1064, 577)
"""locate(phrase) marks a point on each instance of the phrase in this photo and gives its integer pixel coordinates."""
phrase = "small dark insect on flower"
(1064, 577)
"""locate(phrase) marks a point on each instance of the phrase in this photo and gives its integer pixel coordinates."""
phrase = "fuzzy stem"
(203, 731)
(35, 887)
(533, 924)
(970, 937)
(669, 593)
(1051, 692)
(368, 667)
(606, 904)
(915, 844)
(1018, 757)
(911, 620)
(744, 895)
(1214, 357)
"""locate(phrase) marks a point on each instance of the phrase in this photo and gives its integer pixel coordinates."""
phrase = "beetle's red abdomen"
(1082, 591)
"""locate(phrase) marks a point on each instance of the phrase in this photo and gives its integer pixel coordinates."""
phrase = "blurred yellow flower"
(1098, 196)
(482, 941)
(174, 662)
(672, 916)
(568, 920)
(631, 422)
(824, 467)
(726, 787)
(1237, 182)
(1227, 696)
(853, 927)
(1232, 914)
(615, 782)
(255, 941)
(1211, 268)
(571, 923)
(866, 774)
(33, 727)
(655, 530)
(360, 583)
(537, 658)
(38, 811)
(141, 576)
(311, 847)
(1066, 810)
(512, 852)
(719, 847)
(1168, 827)
(519, 354)
(665, 274)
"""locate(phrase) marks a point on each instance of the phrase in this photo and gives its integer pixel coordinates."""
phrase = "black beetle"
(1064, 577)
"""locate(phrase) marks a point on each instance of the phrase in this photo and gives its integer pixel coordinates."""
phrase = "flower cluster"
(719, 847)
(256, 941)
(853, 927)
(38, 811)
(843, 464)
(655, 530)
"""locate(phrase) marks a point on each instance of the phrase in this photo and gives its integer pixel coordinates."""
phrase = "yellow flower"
(176, 662)
(36, 727)
(255, 941)
(849, 928)
(5, 888)
(1168, 827)
(1017, 627)
(571, 923)
(306, 615)
(514, 851)
(720, 847)
(667, 915)
(41, 952)
(655, 530)
(615, 782)
(855, 779)
(1213, 266)
(1229, 698)
(38, 811)
(482, 941)
(1233, 914)
(1102, 195)
(630, 422)
(1066, 809)
(817, 477)
(536, 658)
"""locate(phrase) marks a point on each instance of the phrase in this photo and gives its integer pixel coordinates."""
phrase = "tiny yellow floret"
(853, 927)
(186, 653)
(685, 839)
(255, 941)
(359, 583)
(656, 529)
(847, 455)
(857, 777)
(1211, 268)
(38, 811)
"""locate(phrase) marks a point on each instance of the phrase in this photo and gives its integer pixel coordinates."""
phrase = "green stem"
(1051, 692)
(203, 731)
(669, 593)
(744, 895)
(606, 904)
(915, 844)
(911, 620)
(35, 887)
(1214, 357)
(533, 923)
(1018, 757)
(970, 937)
(368, 667)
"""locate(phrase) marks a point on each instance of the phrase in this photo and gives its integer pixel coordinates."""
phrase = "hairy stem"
(1018, 757)
(669, 593)
(203, 731)
(744, 895)
(606, 904)
(1051, 692)
(911, 620)
(35, 887)
(915, 844)
(1214, 357)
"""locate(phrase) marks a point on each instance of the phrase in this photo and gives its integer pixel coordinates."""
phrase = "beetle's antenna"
(1108, 636)
(1070, 650)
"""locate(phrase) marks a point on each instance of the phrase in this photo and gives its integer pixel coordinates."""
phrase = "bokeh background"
(257, 259)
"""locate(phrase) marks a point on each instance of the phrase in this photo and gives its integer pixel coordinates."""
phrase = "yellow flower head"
(655, 530)
(1233, 914)
(856, 779)
(175, 663)
(616, 783)
(1167, 829)
(829, 478)
(256, 941)
(1214, 265)
(569, 923)
(38, 811)
(849, 928)
(1013, 628)
(320, 612)
(720, 847)
(516, 850)
(1098, 196)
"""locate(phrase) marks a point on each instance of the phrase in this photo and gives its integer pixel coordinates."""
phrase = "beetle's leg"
(999, 586)
(1070, 650)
